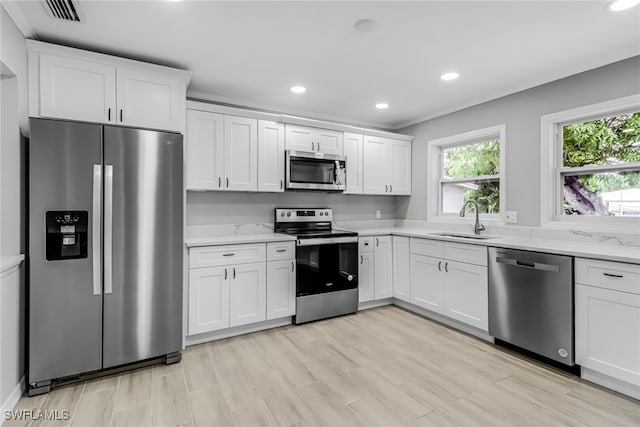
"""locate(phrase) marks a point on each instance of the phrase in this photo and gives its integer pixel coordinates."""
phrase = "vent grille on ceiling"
(66, 10)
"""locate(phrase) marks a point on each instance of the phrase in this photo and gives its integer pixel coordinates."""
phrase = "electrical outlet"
(512, 217)
(378, 214)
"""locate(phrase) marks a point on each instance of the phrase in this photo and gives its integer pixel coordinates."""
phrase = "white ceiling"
(250, 53)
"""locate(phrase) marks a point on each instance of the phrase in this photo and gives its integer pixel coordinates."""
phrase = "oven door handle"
(327, 241)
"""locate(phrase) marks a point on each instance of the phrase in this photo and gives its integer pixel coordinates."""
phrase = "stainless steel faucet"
(477, 228)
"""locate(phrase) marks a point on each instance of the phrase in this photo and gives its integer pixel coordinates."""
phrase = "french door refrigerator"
(105, 248)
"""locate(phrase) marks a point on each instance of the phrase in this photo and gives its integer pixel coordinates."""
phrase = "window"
(466, 167)
(591, 161)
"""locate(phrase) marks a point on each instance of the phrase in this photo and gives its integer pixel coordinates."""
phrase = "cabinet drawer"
(211, 256)
(281, 250)
(433, 248)
(617, 276)
(471, 254)
(365, 244)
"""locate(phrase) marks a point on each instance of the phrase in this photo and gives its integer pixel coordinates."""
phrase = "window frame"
(435, 168)
(552, 170)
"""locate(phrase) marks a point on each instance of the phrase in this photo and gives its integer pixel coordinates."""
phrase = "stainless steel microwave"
(307, 170)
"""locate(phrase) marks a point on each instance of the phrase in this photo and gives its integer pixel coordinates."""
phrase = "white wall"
(14, 124)
(521, 113)
(212, 208)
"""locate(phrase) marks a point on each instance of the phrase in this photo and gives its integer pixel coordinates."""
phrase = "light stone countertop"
(593, 250)
(235, 239)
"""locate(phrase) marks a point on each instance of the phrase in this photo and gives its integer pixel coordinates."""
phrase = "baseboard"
(478, 333)
(11, 400)
(235, 331)
(610, 383)
(373, 304)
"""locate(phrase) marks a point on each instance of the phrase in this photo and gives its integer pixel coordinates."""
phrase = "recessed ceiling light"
(364, 25)
(450, 76)
(298, 89)
(618, 5)
(382, 105)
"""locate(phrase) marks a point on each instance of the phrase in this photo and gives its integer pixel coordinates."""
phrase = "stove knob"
(321, 213)
(288, 213)
(282, 214)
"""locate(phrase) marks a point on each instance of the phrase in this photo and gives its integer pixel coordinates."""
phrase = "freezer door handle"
(108, 229)
(95, 215)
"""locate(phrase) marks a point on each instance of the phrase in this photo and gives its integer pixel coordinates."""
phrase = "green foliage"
(476, 160)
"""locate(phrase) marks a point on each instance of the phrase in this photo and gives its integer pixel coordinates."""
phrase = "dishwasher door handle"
(528, 264)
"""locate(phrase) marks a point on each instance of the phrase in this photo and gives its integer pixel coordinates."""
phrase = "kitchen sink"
(463, 235)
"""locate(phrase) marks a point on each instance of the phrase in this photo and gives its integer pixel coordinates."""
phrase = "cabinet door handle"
(225, 274)
(318, 144)
(377, 242)
(620, 276)
(292, 266)
(386, 188)
(313, 146)
(439, 265)
(109, 115)
(446, 267)
(361, 259)
(390, 188)
(227, 182)
(121, 115)
(281, 184)
(234, 272)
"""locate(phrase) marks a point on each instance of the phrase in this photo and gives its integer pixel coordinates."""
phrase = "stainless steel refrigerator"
(105, 248)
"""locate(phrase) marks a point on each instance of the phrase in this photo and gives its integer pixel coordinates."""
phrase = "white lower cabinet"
(208, 299)
(375, 269)
(247, 294)
(426, 282)
(453, 283)
(401, 268)
(281, 289)
(607, 319)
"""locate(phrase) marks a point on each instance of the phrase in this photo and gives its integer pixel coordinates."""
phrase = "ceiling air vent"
(67, 10)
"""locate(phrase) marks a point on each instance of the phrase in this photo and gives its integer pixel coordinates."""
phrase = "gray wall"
(211, 208)
(521, 113)
(14, 123)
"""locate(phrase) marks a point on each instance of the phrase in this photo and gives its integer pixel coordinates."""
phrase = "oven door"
(315, 171)
(326, 265)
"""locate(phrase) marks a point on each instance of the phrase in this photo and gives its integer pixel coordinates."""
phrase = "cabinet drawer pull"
(225, 274)
(619, 276)
(281, 250)
(446, 267)
(109, 115)
(439, 265)
(121, 115)
(292, 266)
(219, 182)
(231, 254)
(234, 272)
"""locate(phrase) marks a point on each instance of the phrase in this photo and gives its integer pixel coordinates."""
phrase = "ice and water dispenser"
(66, 234)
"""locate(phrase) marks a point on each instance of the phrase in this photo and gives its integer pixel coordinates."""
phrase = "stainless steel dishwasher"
(531, 302)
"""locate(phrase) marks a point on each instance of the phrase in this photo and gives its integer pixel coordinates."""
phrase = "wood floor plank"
(139, 416)
(134, 390)
(169, 401)
(62, 399)
(373, 413)
(209, 408)
(94, 409)
(198, 368)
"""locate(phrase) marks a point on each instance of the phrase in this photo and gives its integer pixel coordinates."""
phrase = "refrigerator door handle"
(97, 190)
(108, 229)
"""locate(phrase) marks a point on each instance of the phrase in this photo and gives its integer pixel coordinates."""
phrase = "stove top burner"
(308, 223)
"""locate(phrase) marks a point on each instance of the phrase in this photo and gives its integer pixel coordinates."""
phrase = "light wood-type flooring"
(380, 367)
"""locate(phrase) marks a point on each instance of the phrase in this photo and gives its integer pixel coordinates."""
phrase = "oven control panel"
(304, 215)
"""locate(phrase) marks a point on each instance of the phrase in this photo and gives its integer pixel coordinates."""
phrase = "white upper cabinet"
(204, 150)
(77, 90)
(270, 156)
(75, 84)
(149, 100)
(240, 153)
(353, 150)
(375, 176)
(306, 138)
(222, 152)
(387, 166)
